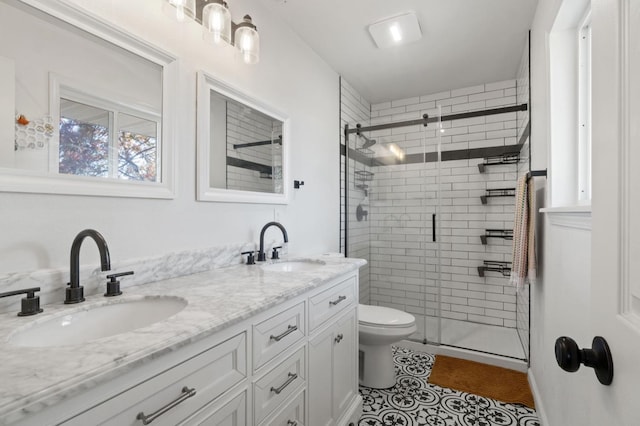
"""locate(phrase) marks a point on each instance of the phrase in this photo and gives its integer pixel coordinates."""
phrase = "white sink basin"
(92, 322)
(294, 266)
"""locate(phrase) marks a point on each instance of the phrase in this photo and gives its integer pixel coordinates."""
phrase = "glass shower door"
(431, 218)
(392, 213)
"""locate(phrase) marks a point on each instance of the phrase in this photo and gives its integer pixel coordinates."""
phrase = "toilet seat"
(380, 316)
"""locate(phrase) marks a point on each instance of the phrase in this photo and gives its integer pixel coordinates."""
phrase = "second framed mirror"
(242, 146)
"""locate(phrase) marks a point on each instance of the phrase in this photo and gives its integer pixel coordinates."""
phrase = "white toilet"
(379, 327)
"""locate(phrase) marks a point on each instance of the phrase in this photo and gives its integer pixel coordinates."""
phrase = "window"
(584, 109)
(102, 138)
(570, 106)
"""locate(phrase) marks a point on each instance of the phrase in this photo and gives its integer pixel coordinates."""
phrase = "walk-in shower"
(428, 202)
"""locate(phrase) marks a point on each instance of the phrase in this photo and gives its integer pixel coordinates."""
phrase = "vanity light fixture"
(218, 28)
(248, 41)
(396, 31)
(216, 20)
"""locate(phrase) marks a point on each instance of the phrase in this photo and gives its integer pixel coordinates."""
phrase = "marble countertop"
(35, 378)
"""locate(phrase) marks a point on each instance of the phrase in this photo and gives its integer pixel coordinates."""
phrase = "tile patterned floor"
(414, 401)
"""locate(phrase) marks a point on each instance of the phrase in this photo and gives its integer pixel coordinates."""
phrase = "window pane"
(84, 140)
(137, 148)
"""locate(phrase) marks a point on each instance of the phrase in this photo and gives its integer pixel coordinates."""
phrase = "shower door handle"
(433, 226)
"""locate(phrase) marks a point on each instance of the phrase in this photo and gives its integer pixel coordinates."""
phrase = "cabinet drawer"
(194, 383)
(278, 385)
(292, 414)
(232, 413)
(272, 336)
(330, 302)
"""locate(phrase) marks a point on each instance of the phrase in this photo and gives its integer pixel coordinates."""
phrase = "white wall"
(560, 301)
(36, 231)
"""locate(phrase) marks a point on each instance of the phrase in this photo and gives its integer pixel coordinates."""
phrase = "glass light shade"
(185, 9)
(247, 41)
(216, 21)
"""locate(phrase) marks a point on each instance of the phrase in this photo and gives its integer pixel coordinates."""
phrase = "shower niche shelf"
(493, 266)
(506, 234)
(498, 192)
(507, 158)
(364, 156)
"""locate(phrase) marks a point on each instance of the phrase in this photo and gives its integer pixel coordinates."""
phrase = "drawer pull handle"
(292, 423)
(186, 394)
(338, 300)
(292, 377)
(290, 329)
(338, 338)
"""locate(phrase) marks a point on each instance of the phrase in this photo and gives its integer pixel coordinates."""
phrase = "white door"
(615, 265)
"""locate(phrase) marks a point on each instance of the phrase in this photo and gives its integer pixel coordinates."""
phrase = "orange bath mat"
(485, 380)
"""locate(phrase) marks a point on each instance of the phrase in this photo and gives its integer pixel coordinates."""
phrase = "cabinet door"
(333, 382)
(344, 363)
(321, 378)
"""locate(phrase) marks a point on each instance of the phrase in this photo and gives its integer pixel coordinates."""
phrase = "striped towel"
(523, 266)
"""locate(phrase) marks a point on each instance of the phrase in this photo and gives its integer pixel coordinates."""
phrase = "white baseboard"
(542, 415)
(353, 413)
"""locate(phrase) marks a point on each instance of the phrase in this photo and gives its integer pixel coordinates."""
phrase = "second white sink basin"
(294, 265)
(95, 321)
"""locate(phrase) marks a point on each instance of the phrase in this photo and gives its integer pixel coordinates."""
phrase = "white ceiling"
(464, 43)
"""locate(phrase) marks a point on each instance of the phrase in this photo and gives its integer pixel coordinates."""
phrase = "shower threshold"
(477, 342)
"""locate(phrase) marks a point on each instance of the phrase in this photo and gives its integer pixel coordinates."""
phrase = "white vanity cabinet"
(333, 380)
(292, 364)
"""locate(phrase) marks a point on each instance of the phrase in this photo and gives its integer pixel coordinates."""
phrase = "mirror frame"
(206, 83)
(28, 181)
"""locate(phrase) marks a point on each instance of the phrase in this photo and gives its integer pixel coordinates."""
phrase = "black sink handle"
(30, 304)
(113, 286)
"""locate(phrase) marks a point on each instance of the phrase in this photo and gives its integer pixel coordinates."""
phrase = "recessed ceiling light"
(396, 31)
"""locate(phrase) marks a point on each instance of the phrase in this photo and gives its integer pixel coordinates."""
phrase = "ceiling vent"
(396, 31)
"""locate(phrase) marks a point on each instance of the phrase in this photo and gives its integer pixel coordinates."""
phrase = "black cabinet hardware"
(290, 329)
(292, 377)
(148, 418)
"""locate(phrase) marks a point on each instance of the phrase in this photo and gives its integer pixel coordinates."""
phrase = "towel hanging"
(523, 268)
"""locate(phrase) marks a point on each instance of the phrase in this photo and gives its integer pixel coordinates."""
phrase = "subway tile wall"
(354, 109)
(522, 96)
(405, 266)
(243, 129)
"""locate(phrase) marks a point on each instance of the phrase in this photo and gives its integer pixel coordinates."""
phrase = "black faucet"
(75, 292)
(261, 256)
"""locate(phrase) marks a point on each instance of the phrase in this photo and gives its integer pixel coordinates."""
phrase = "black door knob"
(569, 357)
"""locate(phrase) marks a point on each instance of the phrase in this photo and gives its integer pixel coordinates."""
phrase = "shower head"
(367, 142)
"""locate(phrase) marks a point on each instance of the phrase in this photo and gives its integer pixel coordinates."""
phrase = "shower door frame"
(425, 121)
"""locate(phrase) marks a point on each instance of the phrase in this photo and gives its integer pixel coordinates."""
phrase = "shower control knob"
(569, 357)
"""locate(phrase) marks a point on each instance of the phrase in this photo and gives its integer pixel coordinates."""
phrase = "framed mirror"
(88, 109)
(242, 146)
